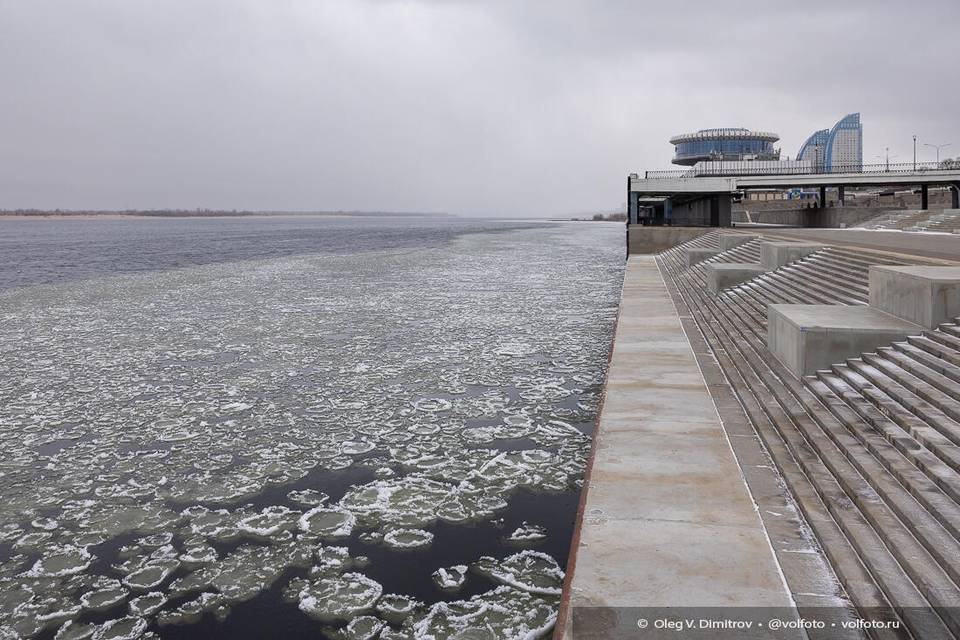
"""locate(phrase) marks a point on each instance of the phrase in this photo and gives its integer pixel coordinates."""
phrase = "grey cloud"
(502, 107)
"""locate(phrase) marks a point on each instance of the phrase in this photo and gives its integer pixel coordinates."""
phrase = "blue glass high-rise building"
(836, 149)
(814, 149)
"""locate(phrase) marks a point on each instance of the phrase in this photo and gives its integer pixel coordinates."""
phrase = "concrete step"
(944, 448)
(801, 287)
(824, 275)
(811, 500)
(767, 291)
(879, 558)
(849, 272)
(932, 362)
(917, 368)
(869, 476)
(940, 396)
(859, 259)
(844, 289)
(950, 329)
(746, 252)
(912, 403)
(745, 296)
(779, 284)
(952, 343)
(946, 476)
(867, 450)
(935, 349)
(843, 260)
(821, 459)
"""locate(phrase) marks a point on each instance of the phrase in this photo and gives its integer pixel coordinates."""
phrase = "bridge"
(704, 193)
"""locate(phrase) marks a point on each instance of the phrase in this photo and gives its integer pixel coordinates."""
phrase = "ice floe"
(338, 597)
(450, 578)
(503, 614)
(61, 561)
(408, 538)
(531, 571)
(396, 608)
(328, 522)
(360, 628)
(127, 628)
(105, 597)
(527, 532)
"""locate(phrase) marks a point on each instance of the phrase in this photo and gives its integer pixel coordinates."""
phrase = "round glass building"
(724, 144)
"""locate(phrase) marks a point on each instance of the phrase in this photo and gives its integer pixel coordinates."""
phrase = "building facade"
(815, 148)
(724, 144)
(837, 149)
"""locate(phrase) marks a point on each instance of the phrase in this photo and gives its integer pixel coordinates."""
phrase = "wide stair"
(946, 222)
(870, 450)
(897, 220)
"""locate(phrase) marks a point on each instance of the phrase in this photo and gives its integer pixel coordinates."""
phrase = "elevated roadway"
(683, 189)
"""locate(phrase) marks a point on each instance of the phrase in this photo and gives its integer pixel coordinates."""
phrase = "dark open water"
(43, 251)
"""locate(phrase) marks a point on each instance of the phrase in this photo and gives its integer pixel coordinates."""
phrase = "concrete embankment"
(666, 518)
(866, 443)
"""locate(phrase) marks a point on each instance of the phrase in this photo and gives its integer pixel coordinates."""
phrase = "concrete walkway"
(667, 518)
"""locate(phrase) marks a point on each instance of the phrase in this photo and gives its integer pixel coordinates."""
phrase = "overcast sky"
(519, 107)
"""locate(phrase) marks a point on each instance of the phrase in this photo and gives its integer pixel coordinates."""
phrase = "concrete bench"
(809, 337)
(927, 296)
(727, 274)
(695, 256)
(730, 240)
(774, 255)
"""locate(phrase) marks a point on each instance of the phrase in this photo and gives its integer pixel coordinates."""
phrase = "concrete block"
(727, 274)
(730, 240)
(808, 337)
(699, 255)
(925, 295)
(774, 255)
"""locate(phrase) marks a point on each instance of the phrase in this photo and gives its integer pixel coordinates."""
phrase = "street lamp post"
(914, 152)
(886, 157)
(937, 147)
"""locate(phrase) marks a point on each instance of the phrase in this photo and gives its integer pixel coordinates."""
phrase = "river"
(279, 427)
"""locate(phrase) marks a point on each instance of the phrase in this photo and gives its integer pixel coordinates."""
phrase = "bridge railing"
(764, 169)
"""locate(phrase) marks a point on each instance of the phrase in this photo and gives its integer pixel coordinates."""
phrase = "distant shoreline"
(110, 215)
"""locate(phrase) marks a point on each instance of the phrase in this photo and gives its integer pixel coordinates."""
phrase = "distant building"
(814, 148)
(724, 144)
(765, 195)
(836, 149)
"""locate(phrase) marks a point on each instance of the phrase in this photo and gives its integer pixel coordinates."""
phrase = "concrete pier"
(667, 517)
